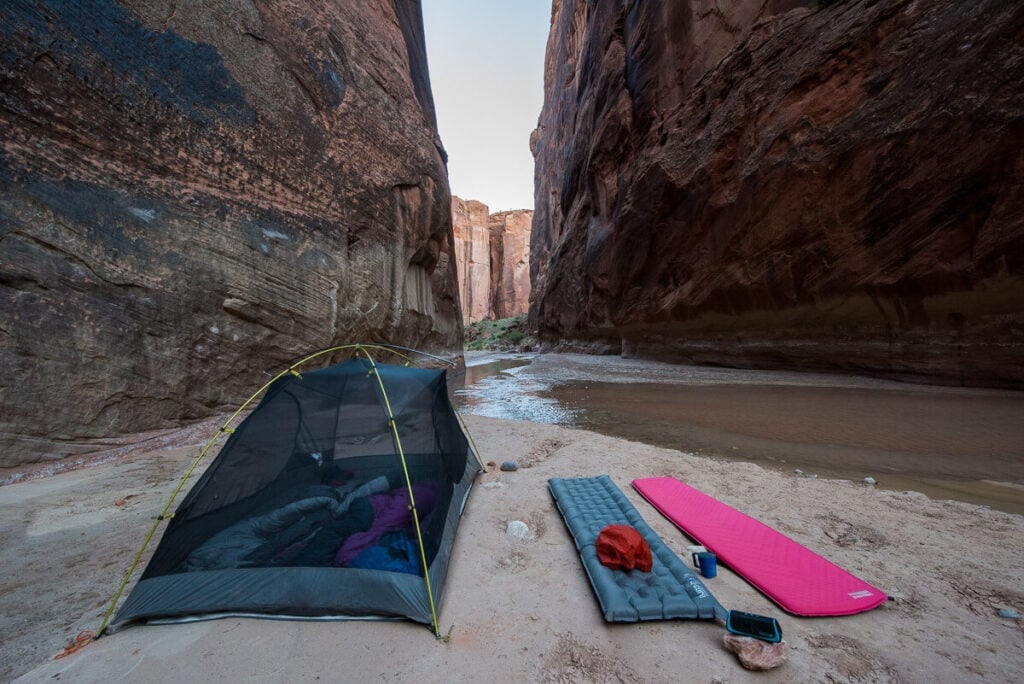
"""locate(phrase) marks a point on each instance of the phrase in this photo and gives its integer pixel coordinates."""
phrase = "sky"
(486, 61)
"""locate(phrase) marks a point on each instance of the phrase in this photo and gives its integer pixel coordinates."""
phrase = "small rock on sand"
(518, 529)
(755, 654)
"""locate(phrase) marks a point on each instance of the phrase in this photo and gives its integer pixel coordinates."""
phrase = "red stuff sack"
(620, 547)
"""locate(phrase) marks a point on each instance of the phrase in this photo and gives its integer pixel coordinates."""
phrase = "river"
(946, 442)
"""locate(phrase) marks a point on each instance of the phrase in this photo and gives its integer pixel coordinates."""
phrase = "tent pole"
(408, 485)
(165, 513)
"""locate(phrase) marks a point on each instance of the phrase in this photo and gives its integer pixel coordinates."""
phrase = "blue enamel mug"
(706, 562)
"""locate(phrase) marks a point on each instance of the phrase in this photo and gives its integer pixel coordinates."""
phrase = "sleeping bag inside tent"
(328, 501)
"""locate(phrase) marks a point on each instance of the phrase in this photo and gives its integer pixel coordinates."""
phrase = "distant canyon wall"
(492, 256)
(193, 194)
(765, 184)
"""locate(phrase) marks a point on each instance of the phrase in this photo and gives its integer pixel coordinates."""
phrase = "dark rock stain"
(107, 48)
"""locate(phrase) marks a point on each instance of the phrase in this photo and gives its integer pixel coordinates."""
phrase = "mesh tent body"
(318, 506)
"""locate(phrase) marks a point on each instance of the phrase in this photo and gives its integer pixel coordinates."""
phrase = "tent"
(337, 497)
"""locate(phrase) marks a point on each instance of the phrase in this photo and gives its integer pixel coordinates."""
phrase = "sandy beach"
(523, 610)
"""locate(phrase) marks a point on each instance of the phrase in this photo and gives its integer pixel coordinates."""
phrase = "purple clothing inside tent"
(390, 512)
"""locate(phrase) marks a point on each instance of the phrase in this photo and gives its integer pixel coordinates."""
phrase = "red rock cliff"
(777, 186)
(472, 258)
(492, 255)
(510, 262)
(190, 196)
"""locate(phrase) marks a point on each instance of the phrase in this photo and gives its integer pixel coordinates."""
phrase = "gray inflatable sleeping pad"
(670, 591)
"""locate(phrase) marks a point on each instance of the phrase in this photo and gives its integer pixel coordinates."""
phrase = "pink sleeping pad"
(796, 578)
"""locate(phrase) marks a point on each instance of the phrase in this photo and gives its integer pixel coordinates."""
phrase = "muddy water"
(951, 443)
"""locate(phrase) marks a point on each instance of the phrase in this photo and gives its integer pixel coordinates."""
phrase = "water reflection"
(499, 388)
(946, 442)
(481, 366)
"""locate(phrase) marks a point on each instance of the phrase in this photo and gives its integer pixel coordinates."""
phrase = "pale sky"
(486, 60)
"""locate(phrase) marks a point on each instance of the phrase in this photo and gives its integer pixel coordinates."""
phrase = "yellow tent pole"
(408, 485)
(164, 514)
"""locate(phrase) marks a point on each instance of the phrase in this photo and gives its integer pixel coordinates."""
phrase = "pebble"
(1009, 614)
(493, 485)
(509, 466)
(870, 481)
(518, 529)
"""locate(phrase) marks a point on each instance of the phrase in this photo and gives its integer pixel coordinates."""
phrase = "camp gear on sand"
(706, 562)
(752, 625)
(800, 581)
(338, 497)
(670, 591)
(620, 547)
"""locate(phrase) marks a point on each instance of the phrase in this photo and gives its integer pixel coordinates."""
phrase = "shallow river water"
(951, 443)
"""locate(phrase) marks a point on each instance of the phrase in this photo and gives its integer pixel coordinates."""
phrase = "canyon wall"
(492, 256)
(470, 223)
(510, 262)
(190, 196)
(778, 186)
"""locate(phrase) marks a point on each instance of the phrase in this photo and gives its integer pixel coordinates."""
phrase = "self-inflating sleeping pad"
(669, 591)
(800, 581)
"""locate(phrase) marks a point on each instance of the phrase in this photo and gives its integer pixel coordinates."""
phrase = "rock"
(493, 485)
(509, 466)
(518, 529)
(870, 480)
(191, 198)
(510, 262)
(472, 258)
(755, 654)
(798, 471)
(492, 257)
(1009, 614)
(770, 185)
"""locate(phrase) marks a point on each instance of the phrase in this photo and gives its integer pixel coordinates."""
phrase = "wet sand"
(964, 444)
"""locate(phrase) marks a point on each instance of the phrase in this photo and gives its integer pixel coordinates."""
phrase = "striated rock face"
(472, 258)
(771, 185)
(192, 195)
(492, 254)
(510, 262)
